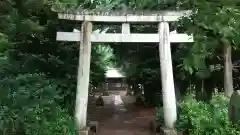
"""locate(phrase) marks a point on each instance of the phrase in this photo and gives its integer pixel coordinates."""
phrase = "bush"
(29, 107)
(159, 115)
(200, 118)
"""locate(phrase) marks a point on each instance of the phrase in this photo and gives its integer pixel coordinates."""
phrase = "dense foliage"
(29, 106)
(199, 118)
(38, 74)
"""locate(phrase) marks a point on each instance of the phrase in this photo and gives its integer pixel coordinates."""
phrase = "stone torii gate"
(164, 37)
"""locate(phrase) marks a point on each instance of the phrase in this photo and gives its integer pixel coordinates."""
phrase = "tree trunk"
(169, 100)
(83, 76)
(228, 79)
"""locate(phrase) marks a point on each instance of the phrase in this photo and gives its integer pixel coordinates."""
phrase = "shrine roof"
(114, 73)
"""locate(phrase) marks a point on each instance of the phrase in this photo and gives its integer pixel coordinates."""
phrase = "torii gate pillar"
(168, 90)
(83, 75)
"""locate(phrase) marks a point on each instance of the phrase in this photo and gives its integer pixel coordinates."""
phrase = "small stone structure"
(155, 126)
(114, 79)
(114, 83)
(234, 107)
(94, 127)
(84, 131)
(169, 131)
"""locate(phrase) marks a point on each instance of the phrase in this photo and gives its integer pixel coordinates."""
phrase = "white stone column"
(83, 76)
(228, 75)
(169, 100)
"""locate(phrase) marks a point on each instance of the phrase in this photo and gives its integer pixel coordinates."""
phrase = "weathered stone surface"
(108, 100)
(97, 94)
(84, 131)
(234, 107)
(167, 131)
(105, 93)
(94, 127)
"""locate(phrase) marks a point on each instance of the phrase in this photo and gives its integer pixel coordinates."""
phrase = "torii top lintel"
(121, 17)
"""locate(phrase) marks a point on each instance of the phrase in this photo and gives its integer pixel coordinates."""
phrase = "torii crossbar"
(164, 37)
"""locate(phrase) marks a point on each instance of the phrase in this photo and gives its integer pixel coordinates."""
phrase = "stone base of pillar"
(84, 131)
(155, 126)
(94, 127)
(167, 131)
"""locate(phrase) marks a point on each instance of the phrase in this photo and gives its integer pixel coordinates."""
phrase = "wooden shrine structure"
(114, 83)
(114, 80)
(164, 38)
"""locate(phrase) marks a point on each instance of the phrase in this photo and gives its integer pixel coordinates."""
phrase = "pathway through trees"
(124, 119)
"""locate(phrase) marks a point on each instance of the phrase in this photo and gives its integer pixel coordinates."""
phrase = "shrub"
(29, 107)
(159, 115)
(200, 118)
